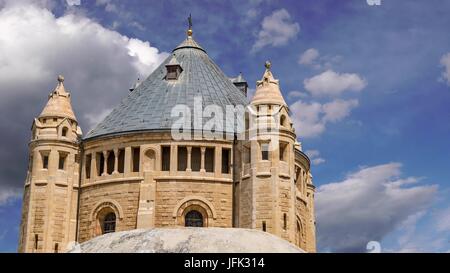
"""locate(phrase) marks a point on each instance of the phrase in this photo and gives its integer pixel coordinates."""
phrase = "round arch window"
(193, 219)
(109, 223)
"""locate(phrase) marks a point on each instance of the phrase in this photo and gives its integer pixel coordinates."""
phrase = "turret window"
(88, 166)
(283, 120)
(284, 221)
(45, 161)
(283, 151)
(36, 241)
(64, 131)
(62, 161)
(265, 151)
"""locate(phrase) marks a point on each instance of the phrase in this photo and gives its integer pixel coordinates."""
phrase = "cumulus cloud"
(277, 29)
(442, 218)
(445, 62)
(310, 119)
(73, 2)
(309, 56)
(368, 205)
(297, 94)
(330, 83)
(315, 157)
(99, 66)
(312, 58)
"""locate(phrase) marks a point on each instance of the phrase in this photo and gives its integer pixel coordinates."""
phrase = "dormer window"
(173, 69)
(173, 72)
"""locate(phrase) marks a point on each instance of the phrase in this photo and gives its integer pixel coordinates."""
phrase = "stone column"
(105, 163)
(93, 165)
(127, 168)
(189, 152)
(173, 159)
(116, 161)
(202, 166)
(218, 161)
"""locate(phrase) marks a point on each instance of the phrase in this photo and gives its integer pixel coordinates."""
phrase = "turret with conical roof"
(268, 89)
(58, 104)
(51, 188)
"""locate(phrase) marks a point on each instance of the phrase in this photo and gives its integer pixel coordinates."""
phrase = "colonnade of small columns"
(130, 160)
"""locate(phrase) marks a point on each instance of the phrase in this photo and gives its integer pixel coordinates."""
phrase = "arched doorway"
(193, 219)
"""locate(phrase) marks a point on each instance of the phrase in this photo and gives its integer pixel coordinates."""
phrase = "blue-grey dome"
(149, 106)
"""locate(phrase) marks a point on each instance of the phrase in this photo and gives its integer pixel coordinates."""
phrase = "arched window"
(64, 131)
(193, 219)
(109, 223)
(283, 120)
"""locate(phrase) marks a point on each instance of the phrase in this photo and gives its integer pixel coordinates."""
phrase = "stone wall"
(123, 195)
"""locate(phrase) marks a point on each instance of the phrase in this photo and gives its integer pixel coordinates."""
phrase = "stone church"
(131, 172)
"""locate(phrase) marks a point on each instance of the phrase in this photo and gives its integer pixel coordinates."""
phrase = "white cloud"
(314, 155)
(330, 83)
(442, 219)
(309, 56)
(94, 118)
(73, 2)
(445, 62)
(8, 193)
(366, 206)
(99, 66)
(312, 58)
(338, 109)
(277, 29)
(297, 94)
(310, 119)
(250, 93)
(108, 4)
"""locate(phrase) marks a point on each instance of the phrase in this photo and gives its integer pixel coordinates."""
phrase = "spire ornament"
(189, 32)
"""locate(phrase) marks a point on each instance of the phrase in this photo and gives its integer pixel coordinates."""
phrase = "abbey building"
(132, 172)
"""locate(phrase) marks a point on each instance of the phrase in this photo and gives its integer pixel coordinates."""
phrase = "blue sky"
(368, 87)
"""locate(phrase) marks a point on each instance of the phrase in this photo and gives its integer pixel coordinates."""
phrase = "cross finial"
(189, 32)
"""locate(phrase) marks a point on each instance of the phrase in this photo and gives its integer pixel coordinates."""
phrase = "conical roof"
(58, 104)
(149, 106)
(268, 90)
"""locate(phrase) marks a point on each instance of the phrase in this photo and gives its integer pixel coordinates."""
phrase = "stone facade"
(77, 189)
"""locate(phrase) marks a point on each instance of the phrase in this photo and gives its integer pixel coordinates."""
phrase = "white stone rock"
(187, 240)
